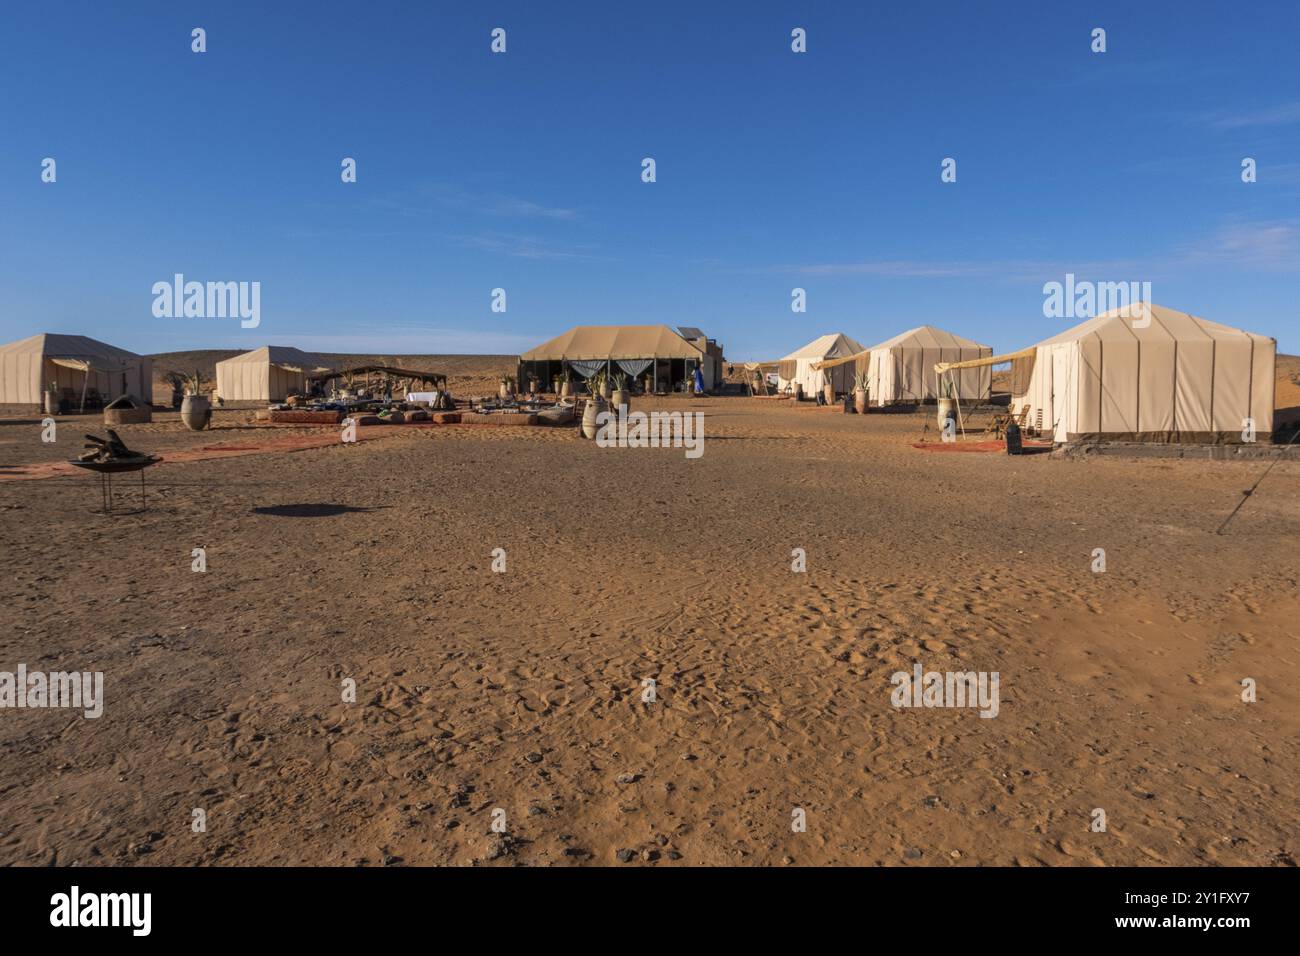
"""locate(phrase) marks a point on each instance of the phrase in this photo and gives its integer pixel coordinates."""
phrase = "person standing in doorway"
(699, 380)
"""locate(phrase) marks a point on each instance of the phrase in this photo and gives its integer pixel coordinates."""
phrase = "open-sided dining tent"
(83, 370)
(901, 369)
(1149, 373)
(801, 367)
(637, 351)
(269, 374)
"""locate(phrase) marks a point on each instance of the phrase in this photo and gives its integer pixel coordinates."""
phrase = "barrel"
(1013, 439)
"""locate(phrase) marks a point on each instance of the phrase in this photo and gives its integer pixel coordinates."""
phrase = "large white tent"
(801, 366)
(1148, 373)
(269, 374)
(901, 369)
(78, 366)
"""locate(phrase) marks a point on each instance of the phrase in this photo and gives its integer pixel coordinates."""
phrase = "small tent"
(82, 369)
(801, 366)
(901, 369)
(269, 374)
(1148, 373)
(638, 351)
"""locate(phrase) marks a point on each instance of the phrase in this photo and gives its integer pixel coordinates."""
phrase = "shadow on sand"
(309, 511)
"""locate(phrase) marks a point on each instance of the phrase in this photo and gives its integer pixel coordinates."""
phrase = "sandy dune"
(522, 691)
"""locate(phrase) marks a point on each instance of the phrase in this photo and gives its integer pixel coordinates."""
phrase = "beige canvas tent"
(269, 374)
(84, 371)
(797, 368)
(635, 350)
(1148, 373)
(901, 369)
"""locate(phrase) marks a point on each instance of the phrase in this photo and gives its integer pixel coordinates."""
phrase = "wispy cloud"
(901, 268)
(1272, 246)
(1005, 269)
(524, 208)
(1260, 246)
(1283, 114)
(527, 246)
(427, 198)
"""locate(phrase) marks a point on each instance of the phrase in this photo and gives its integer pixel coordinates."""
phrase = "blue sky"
(522, 171)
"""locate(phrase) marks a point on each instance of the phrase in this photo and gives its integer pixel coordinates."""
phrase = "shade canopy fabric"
(587, 367)
(270, 373)
(1022, 366)
(804, 365)
(634, 367)
(901, 368)
(614, 342)
(71, 363)
(1150, 373)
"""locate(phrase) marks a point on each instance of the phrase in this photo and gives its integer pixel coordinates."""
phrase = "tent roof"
(921, 337)
(614, 342)
(834, 345)
(55, 346)
(1165, 325)
(283, 356)
(928, 337)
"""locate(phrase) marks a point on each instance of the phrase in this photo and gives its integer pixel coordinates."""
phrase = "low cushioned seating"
(556, 416)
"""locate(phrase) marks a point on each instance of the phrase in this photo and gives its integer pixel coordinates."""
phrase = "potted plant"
(860, 392)
(507, 388)
(829, 391)
(348, 391)
(563, 388)
(196, 409)
(177, 382)
(605, 389)
(52, 398)
(947, 401)
(649, 385)
(619, 396)
(595, 405)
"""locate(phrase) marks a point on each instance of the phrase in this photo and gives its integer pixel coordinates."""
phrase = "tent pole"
(957, 398)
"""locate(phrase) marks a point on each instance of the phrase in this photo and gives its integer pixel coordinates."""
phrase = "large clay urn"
(196, 412)
(595, 405)
(947, 410)
(860, 401)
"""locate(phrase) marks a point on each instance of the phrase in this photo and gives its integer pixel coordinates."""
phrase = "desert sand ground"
(523, 690)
